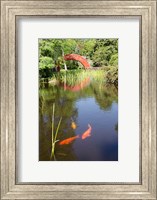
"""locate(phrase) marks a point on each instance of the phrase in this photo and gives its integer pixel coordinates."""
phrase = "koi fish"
(87, 133)
(73, 125)
(69, 140)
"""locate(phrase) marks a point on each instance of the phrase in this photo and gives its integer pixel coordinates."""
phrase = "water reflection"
(93, 104)
(76, 87)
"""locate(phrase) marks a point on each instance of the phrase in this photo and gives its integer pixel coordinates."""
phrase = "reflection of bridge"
(77, 87)
(79, 58)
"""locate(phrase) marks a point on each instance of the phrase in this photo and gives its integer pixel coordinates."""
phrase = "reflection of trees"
(105, 95)
(65, 106)
(116, 127)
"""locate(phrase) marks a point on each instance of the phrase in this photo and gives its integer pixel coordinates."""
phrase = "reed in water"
(54, 134)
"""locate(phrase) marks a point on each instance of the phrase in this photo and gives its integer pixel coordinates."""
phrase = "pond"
(88, 115)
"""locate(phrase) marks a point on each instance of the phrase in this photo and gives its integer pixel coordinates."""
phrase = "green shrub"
(46, 65)
(112, 75)
(114, 60)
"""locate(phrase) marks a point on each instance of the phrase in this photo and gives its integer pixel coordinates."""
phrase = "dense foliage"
(98, 52)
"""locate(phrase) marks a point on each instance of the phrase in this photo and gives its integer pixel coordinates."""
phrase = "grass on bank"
(107, 75)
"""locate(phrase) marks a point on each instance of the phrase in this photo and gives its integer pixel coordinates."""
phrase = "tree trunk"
(65, 66)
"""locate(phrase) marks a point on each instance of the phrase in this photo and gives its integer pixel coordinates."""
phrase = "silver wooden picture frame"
(10, 11)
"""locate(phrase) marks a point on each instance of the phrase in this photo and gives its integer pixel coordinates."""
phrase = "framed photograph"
(78, 99)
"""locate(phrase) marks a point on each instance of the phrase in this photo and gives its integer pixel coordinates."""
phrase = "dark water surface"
(93, 103)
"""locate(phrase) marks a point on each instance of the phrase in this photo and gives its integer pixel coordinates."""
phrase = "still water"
(89, 107)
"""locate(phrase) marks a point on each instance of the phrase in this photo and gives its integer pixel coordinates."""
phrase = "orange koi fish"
(87, 133)
(69, 140)
(73, 125)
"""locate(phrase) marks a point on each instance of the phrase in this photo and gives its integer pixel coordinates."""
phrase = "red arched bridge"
(79, 58)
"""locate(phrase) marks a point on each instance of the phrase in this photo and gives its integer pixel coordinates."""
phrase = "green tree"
(98, 52)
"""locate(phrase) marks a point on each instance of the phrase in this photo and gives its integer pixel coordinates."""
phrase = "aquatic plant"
(54, 134)
(75, 77)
